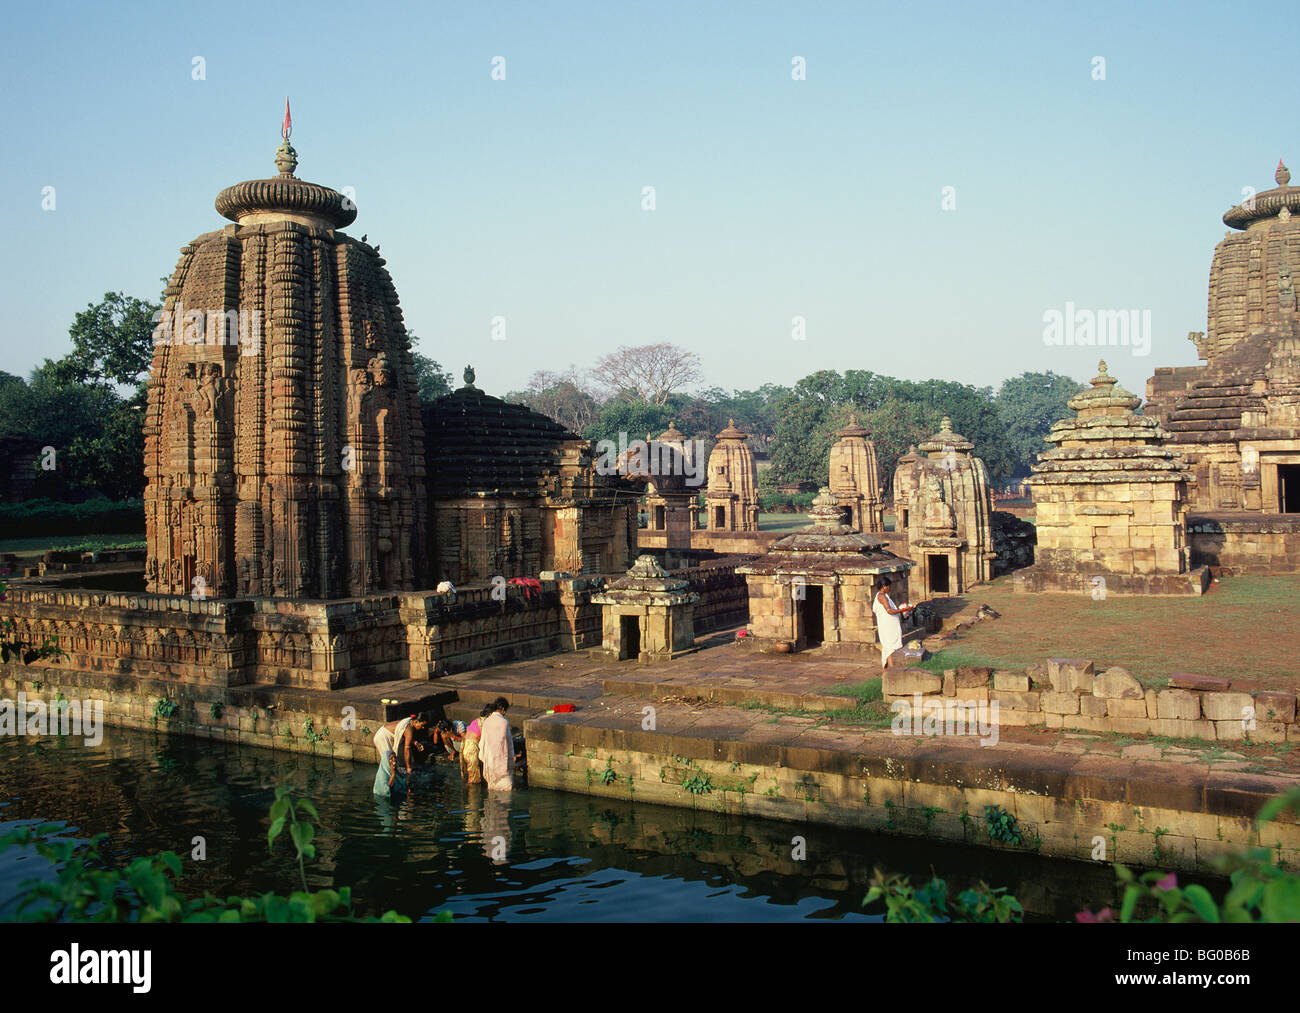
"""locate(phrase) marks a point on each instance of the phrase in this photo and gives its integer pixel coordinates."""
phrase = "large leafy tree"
(112, 340)
(431, 381)
(1027, 405)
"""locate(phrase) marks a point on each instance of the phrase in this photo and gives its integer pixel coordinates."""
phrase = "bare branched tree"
(565, 397)
(650, 372)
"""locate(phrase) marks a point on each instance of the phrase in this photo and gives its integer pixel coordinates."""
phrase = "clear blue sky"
(775, 198)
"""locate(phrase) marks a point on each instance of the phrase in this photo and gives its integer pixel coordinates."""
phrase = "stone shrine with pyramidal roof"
(1110, 503)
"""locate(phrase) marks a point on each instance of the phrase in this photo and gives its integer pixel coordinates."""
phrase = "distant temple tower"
(670, 500)
(1236, 417)
(855, 479)
(732, 497)
(1110, 502)
(284, 454)
(942, 502)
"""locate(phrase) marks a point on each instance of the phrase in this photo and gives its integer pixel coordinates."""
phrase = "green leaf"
(307, 806)
(1281, 900)
(279, 808)
(1131, 894)
(274, 832)
(1202, 903)
(302, 833)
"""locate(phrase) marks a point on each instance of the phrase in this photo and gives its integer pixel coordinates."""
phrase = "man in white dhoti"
(889, 625)
(497, 748)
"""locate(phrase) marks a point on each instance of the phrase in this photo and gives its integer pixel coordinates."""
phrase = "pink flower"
(1170, 882)
(1088, 918)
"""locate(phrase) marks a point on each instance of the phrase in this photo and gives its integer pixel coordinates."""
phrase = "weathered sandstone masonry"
(1153, 814)
(329, 644)
(1070, 693)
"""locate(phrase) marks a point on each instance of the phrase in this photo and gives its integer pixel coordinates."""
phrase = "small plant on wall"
(1002, 825)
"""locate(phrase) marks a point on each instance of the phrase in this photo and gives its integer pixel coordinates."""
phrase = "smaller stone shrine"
(670, 498)
(942, 502)
(647, 616)
(814, 587)
(855, 478)
(732, 497)
(1111, 503)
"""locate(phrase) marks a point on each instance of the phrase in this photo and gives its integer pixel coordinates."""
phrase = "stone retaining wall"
(1070, 693)
(1160, 816)
(320, 644)
(270, 717)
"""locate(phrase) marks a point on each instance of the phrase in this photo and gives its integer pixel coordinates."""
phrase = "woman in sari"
(497, 748)
(889, 625)
(470, 767)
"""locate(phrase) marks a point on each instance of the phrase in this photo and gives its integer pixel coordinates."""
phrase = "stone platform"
(1147, 805)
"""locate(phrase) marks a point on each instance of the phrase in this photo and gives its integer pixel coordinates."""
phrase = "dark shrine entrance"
(810, 609)
(938, 574)
(630, 641)
(1288, 488)
(719, 518)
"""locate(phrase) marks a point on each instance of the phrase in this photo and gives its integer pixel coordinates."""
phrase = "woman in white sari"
(497, 749)
(889, 625)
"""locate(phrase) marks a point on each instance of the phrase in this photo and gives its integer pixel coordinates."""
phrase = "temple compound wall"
(942, 503)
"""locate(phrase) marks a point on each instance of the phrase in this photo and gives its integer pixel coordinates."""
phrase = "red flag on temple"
(287, 129)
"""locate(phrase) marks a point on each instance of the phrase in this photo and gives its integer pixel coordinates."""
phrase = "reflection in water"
(531, 854)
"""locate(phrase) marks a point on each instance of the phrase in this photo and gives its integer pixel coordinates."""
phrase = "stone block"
(1118, 707)
(1092, 706)
(1118, 684)
(978, 694)
(1178, 705)
(906, 681)
(1010, 682)
(1070, 675)
(969, 676)
(1017, 701)
(1060, 703)
(1270, 706)
(949, 683)
(1226, 706)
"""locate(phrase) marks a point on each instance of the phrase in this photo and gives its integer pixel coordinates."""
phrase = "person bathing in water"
(889, 623)
(393, 743)
(498, 748)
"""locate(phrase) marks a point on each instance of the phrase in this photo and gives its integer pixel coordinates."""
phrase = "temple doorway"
(1288, 488)
(630, 641)
(814, 629)
(938, 566)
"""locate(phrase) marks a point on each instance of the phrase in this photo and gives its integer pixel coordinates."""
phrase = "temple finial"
(286, 159)
(1283, 174)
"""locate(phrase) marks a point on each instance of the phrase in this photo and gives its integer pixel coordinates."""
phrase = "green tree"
(1028, 404)
(112, 340)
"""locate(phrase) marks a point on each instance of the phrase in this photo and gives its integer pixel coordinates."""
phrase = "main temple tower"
(284, 454)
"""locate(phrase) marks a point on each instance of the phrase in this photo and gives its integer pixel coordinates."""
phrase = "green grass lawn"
(1244, 629)
(78, 543)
